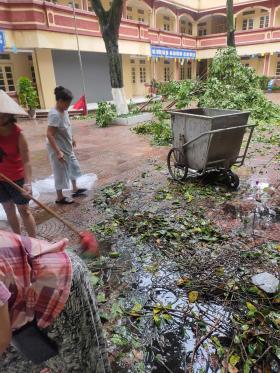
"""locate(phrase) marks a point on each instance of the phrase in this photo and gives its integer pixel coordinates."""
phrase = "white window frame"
(264, 21)
(247, 24)
(277, 72)
(5, 79)
(167, 73)
(133, 75)
(143, 74)
(166, 26)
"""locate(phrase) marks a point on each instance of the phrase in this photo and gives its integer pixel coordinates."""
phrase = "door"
(139, 76)
(202, 69)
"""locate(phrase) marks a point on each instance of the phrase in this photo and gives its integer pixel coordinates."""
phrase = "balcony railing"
(47, 16)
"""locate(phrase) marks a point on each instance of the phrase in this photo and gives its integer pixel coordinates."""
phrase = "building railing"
(47, 16)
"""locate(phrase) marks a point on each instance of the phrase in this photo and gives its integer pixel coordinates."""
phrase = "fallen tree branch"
(201, 341)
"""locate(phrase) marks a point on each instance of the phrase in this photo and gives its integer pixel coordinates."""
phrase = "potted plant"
(28, 96)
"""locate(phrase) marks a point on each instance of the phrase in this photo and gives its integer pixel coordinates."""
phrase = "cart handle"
(217, 131)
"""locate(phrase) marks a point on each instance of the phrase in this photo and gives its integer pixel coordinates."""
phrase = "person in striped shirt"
(50, 285)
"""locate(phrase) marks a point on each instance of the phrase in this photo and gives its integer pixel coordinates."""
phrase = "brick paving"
(112, 153)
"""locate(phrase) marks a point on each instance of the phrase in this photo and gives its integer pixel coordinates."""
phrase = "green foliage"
(263, 81)
(183, 92)
(133, 108)
(28, 96)
(158, 111)
(231, 85)
(159, 128)
(105, 114)
(160, 132)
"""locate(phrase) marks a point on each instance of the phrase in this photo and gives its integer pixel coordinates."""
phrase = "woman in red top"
(15, 164)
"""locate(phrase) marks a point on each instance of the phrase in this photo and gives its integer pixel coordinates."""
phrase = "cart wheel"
(177, 169)
(232, 179)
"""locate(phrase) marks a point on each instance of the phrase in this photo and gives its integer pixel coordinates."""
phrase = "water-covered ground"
(173, 282)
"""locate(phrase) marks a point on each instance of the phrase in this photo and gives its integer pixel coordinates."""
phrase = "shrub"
(28, 96)
(159, 129)
(105, 114)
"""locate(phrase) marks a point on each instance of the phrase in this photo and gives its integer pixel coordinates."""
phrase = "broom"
(89, 243)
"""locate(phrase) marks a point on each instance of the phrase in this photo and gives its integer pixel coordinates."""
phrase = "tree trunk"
(230, 24)
(109, 22)
(116, 73)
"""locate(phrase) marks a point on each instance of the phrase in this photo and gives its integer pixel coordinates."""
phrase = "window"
(5, 57)
(142, 74)
(247, 64)
(202, 29)
(166, 74)
(71, 5)
(189, 71)
(182, 73)
(220, 28)
(248, 24)
(129, 12)
(6, 78)
(33, 75)
(141, 19)
(190, 29)
(264, 21)
(166, 27)
(278, 68)
(202, 32)
(133, 75)
(249, 12)
(183, 29)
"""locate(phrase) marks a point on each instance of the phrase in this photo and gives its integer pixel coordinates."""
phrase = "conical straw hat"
(9, 106)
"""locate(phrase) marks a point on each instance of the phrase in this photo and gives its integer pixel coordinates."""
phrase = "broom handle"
(42, 205)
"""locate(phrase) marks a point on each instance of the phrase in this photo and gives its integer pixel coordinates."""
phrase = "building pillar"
(154, 69)
(45, 77)
(153, 18)
(194, 69)
(176, 70)
(124, 9)
(85, 5)
(266, 65)
(272, 17)
(177, 23)
(194, 28)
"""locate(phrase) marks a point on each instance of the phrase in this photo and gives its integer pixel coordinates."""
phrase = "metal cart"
(208, 139)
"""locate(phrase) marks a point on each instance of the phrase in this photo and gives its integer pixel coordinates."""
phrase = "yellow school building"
(159, 39)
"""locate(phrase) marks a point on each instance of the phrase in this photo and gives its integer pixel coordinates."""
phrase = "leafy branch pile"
(230, 85)
(159, 128)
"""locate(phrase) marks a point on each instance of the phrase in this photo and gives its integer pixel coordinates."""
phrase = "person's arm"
(51, 137)
(24, 153)
(5, 328)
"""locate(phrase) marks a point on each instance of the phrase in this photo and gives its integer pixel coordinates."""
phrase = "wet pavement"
(111, 154)
(155, 235)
